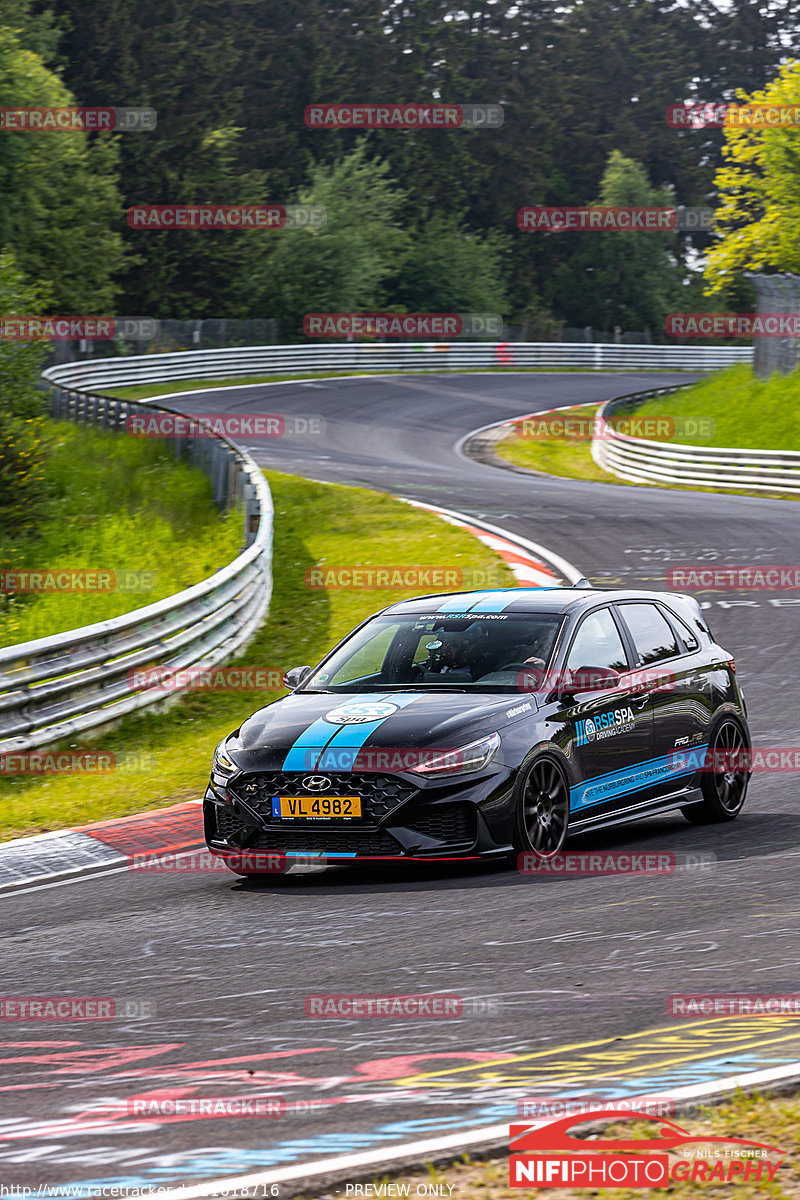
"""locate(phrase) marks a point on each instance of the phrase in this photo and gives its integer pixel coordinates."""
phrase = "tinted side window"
(686, 633)
(597, 644)
(651, 632)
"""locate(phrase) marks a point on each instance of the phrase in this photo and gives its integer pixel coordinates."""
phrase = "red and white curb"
(532, 564)
(52, 859)
(48, 859)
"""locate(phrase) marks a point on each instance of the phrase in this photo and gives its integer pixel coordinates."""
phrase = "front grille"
(353, 840)
(448, 823)
(227, 822)
(380, 794)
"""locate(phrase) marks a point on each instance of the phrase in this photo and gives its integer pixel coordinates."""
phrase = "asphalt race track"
(558, 969)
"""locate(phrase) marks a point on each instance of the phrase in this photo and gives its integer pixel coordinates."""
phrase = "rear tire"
(542, 809)
(724, 790)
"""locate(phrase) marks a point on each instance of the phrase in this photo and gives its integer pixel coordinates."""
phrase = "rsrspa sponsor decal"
(617, 720)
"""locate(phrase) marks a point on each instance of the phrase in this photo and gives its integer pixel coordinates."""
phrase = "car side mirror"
(594, 679)
(295, 676)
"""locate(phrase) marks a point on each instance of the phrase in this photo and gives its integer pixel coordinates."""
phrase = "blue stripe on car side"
(636, 779)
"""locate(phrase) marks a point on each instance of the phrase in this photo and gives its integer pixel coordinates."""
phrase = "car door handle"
(641, 698)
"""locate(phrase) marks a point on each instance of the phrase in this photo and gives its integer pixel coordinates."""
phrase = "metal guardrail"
(644, 461)
(76, 681)
(391, 357)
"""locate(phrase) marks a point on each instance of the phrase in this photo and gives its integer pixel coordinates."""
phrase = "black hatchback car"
(479, 723)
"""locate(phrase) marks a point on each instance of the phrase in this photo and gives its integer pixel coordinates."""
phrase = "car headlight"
(473, 757)
(222, 763)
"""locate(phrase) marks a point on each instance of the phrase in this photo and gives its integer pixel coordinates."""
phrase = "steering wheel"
(526, 668)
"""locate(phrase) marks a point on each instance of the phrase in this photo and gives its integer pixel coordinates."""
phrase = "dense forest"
(416, 220)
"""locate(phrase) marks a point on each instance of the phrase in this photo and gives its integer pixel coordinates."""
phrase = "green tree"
(59, 208)
(758, 215)
(630, 279)
(450, 269)
(21, 462)
(343, 267)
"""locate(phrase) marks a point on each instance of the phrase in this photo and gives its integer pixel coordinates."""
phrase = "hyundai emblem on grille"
(316, 783)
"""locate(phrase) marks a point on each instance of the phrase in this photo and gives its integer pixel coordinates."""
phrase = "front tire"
(542, 809)
(723, 789)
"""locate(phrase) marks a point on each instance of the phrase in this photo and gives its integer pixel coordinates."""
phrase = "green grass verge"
(120, 505)
(167, 754)
(772, 1120)
(730, 408)
(554, 456)
(746, 412)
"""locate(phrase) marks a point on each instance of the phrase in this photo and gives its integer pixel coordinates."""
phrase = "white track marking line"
(453, 1143)
(565, 568)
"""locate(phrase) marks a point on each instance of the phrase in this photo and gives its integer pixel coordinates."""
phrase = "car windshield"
(482, 653)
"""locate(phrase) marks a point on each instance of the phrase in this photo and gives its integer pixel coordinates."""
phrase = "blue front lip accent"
(319, 854)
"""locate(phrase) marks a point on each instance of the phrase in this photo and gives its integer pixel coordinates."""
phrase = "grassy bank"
(556, 455)
(118, 505)
(730, 408)
(774, 1121)
(167, 754)
(746, 412)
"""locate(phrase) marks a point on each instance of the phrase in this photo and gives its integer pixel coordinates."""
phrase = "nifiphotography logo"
(550, 1156)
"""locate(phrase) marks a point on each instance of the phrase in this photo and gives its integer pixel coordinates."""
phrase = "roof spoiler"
(583, 582)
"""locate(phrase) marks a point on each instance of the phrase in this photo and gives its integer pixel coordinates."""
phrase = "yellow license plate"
(320, 808)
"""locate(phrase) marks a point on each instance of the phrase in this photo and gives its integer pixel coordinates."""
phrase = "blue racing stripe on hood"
(495, 602)
(308, 751)
(349, 739)
(309, 746)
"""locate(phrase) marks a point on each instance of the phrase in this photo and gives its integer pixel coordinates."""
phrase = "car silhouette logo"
(316, 783)
(555, 1136)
